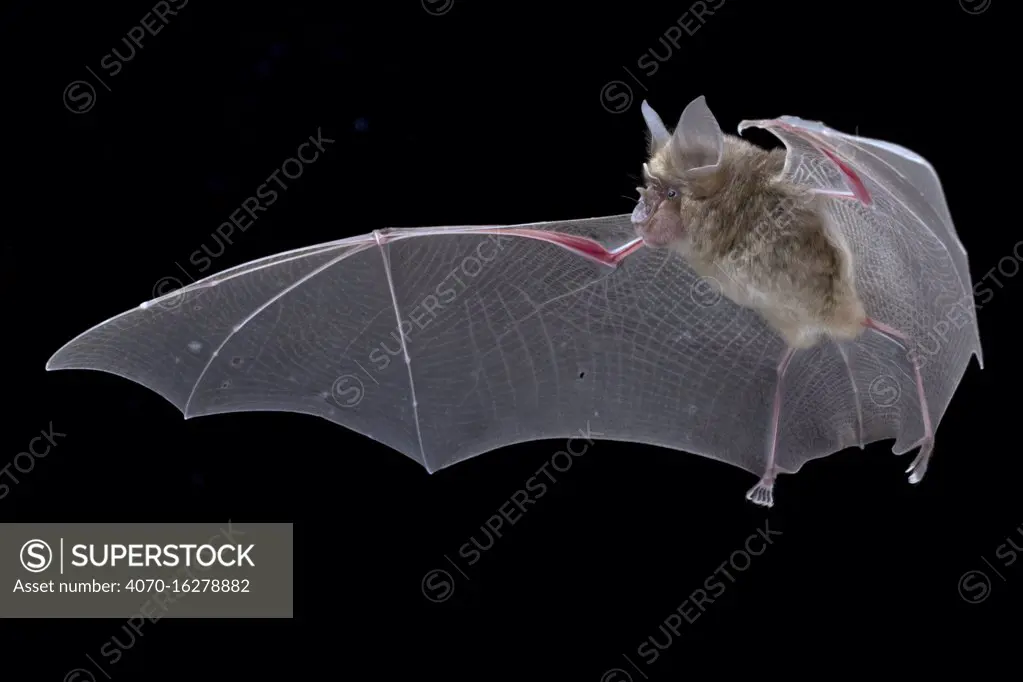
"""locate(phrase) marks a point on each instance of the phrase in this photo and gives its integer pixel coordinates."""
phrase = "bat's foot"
(762, 493)
(918, 468)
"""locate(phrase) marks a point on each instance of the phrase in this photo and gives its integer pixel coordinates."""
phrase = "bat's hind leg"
(918, 468)
(763, 492)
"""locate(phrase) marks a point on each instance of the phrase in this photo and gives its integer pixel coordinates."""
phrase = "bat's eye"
(672, 194)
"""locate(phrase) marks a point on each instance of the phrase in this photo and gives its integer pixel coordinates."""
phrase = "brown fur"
(765, 241)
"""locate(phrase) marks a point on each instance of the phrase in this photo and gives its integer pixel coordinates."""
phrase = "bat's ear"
(659, 134)
(698, 140)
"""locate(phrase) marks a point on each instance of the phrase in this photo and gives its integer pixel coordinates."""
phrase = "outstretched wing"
(911, 272)
(444, 343)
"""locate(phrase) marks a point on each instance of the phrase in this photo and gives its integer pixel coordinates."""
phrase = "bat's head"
(683, 170)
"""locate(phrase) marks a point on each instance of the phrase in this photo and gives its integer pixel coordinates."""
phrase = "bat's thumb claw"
(762, 493)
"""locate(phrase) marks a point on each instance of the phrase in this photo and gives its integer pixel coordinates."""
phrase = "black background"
(490, 112)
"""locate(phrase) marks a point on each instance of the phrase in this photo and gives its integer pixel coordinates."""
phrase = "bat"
(760, 307)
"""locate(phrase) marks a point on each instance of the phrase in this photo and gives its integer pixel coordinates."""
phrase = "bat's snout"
(649, 226)
(641, 214)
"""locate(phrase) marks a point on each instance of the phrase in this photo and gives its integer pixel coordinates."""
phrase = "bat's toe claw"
(762, 493)
(918, 468)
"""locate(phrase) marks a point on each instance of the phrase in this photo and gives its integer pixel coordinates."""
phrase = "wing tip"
(56, 362)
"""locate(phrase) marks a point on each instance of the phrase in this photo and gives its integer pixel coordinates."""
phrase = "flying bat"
(761, 307)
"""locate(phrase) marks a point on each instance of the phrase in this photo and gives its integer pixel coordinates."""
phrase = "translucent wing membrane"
(444, 343)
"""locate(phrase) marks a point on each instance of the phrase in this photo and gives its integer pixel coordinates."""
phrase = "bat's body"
(762, 239)
(837, 258)
(722, 204)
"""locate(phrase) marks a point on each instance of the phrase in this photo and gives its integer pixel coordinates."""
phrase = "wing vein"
(273, 299)
(404, 349)
(899, 200)
(856, 393)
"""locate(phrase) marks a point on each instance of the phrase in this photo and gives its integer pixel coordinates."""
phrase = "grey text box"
(146, 570)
